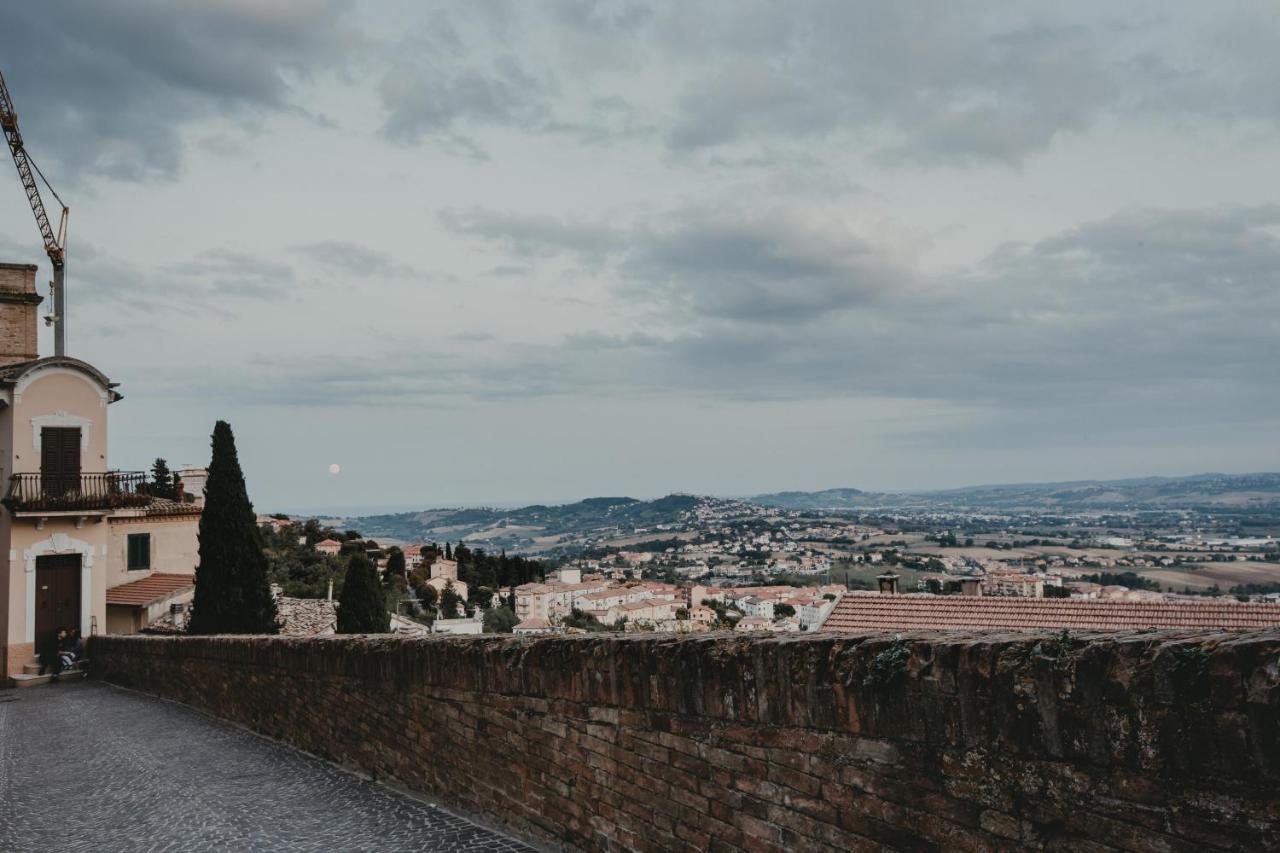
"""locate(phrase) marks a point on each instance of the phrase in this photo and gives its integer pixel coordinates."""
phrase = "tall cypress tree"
(362, 609)
(395, 567)
(232, 595)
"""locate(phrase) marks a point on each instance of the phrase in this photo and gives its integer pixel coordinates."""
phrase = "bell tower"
(18, 322)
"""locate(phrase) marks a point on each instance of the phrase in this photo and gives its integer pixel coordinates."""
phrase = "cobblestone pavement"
(88, 767)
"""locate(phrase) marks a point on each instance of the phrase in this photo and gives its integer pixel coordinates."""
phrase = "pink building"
(88, 548)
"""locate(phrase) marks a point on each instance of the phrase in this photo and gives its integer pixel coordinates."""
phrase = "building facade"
(88, 548)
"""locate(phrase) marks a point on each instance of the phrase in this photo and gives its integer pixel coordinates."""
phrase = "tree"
(395, 566)
(162, 480)
(362, 609)
(232, 593)
(449, 601)
(499, 620)
(482, 597)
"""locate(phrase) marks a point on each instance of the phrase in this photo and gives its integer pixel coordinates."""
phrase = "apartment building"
(88, 548)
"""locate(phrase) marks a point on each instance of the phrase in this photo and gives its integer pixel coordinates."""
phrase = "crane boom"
(55, 244)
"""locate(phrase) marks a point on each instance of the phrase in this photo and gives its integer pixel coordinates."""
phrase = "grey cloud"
(1144, 317)
(779, 265)
(354, 259)
(533, 235)
(920, 82)
(436, 101)
(392, 378)
(118, 290)
(230, 272)
(458, 73)
(911, 83)
(106, 89)
(1112, 320)
(765, 267)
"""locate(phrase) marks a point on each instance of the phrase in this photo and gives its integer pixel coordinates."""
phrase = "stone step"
(32, 667)
(27, 680)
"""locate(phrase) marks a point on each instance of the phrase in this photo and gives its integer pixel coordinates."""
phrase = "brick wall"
(1143, 741)
(18, 303)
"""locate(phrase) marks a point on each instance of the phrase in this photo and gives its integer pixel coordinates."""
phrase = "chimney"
(18, 301)
(971, 586)
(888, 583)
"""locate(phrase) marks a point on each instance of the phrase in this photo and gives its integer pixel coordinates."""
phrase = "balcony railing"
(72, 492)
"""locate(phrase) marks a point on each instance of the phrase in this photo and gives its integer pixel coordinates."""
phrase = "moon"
(334, 468)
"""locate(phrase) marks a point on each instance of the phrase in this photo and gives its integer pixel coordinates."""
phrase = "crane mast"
(55, 243)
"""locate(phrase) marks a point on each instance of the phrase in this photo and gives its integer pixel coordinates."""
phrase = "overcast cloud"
(500, 251)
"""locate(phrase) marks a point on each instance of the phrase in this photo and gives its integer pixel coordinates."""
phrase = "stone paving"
(88, 767)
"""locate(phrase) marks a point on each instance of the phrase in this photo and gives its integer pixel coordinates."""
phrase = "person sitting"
(67, 642)
(49, 652)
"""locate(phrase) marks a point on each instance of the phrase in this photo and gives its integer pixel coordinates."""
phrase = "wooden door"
(57, 594)
(59, 460)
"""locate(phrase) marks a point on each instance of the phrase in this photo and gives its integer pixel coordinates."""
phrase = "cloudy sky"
(506, 251)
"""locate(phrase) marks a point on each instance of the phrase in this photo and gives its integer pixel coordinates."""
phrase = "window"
(139, 551)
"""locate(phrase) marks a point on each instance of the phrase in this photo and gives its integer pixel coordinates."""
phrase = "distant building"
(533, 626)
(444, 573)
(330, 547)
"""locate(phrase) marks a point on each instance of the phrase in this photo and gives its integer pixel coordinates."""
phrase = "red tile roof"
(873, 612)
(147, 590)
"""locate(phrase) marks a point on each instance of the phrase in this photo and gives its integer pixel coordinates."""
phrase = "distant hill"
(541, 528)
(530, 527)
(1200, 490)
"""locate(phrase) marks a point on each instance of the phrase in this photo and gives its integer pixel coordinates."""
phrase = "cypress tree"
(232, 593)
(162, 480)
(362, 608)
(395, 567)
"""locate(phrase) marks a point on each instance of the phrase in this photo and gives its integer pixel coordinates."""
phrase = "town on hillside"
(698, 564)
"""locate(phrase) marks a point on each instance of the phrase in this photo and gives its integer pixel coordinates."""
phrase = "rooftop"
(306, 617)
(148, 590)
(874, 612)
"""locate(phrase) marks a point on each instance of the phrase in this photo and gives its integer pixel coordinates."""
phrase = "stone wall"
(1142, 741)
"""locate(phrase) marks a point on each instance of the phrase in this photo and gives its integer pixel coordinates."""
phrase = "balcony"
(77, 493)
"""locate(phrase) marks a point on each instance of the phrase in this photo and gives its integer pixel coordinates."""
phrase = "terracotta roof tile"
(144, 591)
(956, 612)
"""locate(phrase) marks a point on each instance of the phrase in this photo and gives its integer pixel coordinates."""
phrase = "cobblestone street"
(88, 767)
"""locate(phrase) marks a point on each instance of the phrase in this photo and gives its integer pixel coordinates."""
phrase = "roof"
(874, 612)
(11, 373)
(646, 604)
(606, 594)
(149, 590)
(534, 624)
(306, 617)
(328, 543)
(164, 506)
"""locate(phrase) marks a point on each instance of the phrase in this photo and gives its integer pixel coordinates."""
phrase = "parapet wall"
(1141, 741)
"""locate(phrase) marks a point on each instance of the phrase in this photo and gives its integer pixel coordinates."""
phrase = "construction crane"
(55, 244)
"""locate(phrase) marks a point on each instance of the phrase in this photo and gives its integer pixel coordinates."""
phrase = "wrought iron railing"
(69, 492)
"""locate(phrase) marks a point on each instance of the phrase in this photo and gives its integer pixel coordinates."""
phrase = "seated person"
(67, 643)
(49, 651)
